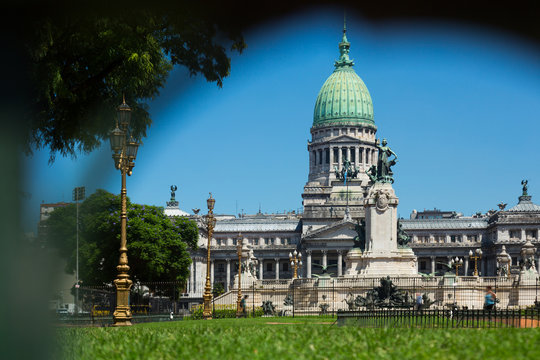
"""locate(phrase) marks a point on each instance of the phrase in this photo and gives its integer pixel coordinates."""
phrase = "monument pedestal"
(382, 255)
(247, 281)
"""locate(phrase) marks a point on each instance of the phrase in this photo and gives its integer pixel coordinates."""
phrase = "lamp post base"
(207, 310)
(122, 313)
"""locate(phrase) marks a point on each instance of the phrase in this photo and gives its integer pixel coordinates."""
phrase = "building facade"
(344, 130)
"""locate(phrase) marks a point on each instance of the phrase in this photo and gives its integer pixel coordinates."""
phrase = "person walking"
(489, 299)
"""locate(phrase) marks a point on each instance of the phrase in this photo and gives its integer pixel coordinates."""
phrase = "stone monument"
(248, 267)
(386, 249)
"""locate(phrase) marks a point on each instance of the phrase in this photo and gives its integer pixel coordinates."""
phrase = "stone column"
(228, 283)
(308, 264)
(449, 258)
(277, 268)
(523, 235)
(261, 269)
(348, 153)
(331, 156)
(340, 160)
(366, 151)
(432, 265)
(339, 263)
(356, 157)
(191, 277)
(466, 265)
(212, 272)
(373, 157)
(324, 258)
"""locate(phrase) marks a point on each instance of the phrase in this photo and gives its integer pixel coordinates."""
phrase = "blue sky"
(459, 104)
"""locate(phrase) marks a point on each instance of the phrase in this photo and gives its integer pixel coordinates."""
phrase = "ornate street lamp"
(239, 248)
(475, 258)
(124, 154)
(210, 224)
(456, 263)
(296, 262)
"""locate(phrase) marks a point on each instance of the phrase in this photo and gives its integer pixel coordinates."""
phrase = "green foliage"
(157, 247)
(224, 312)
(82, 62)
(295, 338)
(218, 289)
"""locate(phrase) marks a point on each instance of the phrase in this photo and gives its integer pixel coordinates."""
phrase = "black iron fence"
(328, 296)
(452, 318)
(373, 299)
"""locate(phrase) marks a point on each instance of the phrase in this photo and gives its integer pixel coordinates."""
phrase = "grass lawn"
(287, 338)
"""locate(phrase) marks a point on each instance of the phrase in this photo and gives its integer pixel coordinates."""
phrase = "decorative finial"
(123, 99)
(344, 46)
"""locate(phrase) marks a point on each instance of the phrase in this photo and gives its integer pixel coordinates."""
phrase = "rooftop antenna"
(259, 207)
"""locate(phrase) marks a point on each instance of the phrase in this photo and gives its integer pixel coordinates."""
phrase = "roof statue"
(173, 202)
(173, 192)
(524, 183)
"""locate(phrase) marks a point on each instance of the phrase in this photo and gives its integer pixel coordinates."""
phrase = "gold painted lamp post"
(239, 245)
(456, 263)
(124, 154)
(476, 257)
(210, 224)
(296, 262)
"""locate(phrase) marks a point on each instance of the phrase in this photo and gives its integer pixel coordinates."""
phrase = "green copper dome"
(344, 98)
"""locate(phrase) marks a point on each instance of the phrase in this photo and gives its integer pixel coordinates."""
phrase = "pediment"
(345, 138)
(341, 230)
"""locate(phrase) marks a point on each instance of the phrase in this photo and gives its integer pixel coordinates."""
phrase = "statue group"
(382, 172)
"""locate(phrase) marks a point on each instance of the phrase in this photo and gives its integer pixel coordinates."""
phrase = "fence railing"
(452, 318)
(322, 296)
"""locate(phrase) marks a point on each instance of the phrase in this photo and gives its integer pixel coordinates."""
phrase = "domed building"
(344, 133)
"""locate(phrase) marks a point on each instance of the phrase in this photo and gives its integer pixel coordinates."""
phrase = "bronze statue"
(360, 238)
(173, 194)
(403, 238)
(384, 164)
(524, 183)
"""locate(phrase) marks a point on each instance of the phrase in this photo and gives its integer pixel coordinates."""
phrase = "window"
(343, 153)
(285, 241)
(320, 157)
(360, 155)
(530, 234)
(423, 265)
(220, 268)
(353, 155)
(336, 155)
(515, 234)
(234, 241)
(285, 266)
(269, 266)
(473, 238)
(255, 241)
(266, 241)
(218, 242)
(327, 155)
(455, 238)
